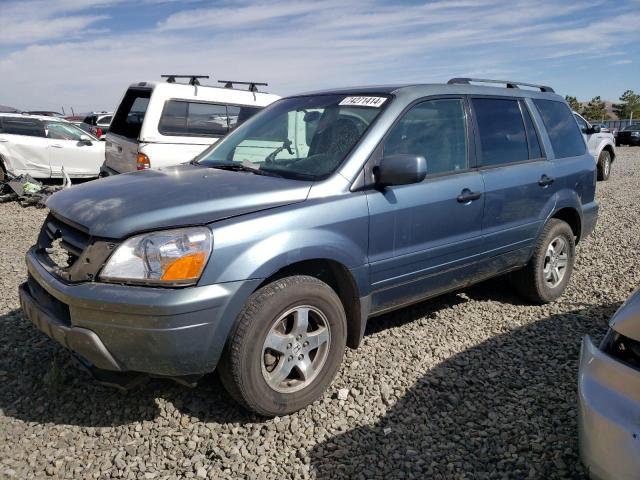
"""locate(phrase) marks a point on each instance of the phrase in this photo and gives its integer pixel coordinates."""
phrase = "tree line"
(595, 109)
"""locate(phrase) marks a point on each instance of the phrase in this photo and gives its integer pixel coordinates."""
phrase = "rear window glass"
(502, 133)
(22, 126)
(197, 119)
(564, 133)
(127, 121)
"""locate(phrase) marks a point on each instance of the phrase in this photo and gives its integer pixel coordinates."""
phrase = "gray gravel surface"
(475, 384)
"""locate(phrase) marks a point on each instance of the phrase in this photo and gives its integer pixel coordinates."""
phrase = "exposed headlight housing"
(170, 257)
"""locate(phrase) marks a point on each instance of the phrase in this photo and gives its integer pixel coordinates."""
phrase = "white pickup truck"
(160, 124)
(602, 145)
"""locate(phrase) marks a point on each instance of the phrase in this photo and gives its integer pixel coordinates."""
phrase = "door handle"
(467, 196)
(56, 145)
(545, 181)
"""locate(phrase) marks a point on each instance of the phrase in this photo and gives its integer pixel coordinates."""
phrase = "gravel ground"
(471, 385)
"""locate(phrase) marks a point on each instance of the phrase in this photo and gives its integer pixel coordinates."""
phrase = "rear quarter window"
(562, 128)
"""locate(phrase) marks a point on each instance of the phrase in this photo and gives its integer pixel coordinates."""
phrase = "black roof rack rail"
(508, 83)
(253, 86)
(193, 79)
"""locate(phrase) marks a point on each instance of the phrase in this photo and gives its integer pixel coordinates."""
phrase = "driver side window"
(436, 130)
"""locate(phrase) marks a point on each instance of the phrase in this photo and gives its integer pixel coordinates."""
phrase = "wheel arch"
(572, 217)
(341, 280)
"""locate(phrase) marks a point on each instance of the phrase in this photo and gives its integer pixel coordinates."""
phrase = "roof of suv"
(422, 90)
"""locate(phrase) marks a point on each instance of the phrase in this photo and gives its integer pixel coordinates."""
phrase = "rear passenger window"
(22, 126)
(501, 130)
(532, 136)
(562, 128)
(196, 119)
(436, 130)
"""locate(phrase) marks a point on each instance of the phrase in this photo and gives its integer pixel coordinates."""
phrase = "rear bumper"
(107, 172)
(608, 415)
(159, 331)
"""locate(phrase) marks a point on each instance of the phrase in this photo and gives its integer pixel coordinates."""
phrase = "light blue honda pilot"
(268, 254)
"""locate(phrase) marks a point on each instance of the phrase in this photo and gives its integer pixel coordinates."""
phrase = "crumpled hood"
(626, 320)
(116, 207)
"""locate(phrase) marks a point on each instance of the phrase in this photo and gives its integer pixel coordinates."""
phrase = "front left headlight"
(170, 257)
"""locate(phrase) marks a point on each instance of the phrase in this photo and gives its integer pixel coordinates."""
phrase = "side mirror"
(594, 129)
(400, 169)
(85, 140)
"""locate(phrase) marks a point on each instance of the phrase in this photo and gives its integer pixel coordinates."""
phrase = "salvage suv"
(268, 254)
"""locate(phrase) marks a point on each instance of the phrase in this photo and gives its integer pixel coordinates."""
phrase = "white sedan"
(41, 146)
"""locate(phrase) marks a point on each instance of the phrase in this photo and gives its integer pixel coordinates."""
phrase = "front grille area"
(62, 243)
(59, 310)
(69, 252)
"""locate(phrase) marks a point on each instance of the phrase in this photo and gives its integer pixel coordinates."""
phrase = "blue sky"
(84, 53)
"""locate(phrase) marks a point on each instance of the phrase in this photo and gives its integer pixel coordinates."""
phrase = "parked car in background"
(40, 146)
(266, 262)
(629, 135)
(601, 145)
(98, 123)
(609, 397)
(159, 124)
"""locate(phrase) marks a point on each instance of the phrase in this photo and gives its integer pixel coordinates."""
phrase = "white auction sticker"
(363, 101)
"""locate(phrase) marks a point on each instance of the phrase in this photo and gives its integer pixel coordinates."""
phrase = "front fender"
(257, 245)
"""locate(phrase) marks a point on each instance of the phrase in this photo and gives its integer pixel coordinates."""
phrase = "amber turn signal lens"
(142, 162)
(188, 267)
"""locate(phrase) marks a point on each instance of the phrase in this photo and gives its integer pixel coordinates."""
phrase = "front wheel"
(286, 346)
(545, 278)
(604, 165)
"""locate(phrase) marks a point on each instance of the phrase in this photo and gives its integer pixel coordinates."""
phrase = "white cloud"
(303, 45)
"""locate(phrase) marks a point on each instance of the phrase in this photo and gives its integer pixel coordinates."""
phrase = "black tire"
(241, 365)
(3, 172)
(618, 144)
(604, 165)
(530, 281)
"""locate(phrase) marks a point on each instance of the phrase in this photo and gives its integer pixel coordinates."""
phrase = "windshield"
(635, 126)
(301, 137)
(65, 131)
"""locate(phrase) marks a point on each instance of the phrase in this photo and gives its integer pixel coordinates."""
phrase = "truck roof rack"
(193, 79)
(253, 86)
(508, 83)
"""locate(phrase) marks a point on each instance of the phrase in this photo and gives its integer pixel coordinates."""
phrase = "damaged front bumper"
(118, 328)
(609, 415)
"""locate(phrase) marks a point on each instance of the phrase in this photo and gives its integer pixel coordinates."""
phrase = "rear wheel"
(604, 165)
(545, 278)
(286, 346)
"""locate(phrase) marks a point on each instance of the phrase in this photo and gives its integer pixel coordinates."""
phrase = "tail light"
(98, 132)
(142, 162)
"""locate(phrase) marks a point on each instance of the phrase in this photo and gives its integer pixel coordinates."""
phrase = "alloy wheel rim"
(296, 349)
(607, 166)
(556, 261)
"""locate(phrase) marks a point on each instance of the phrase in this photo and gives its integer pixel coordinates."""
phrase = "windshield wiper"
(240, 167)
